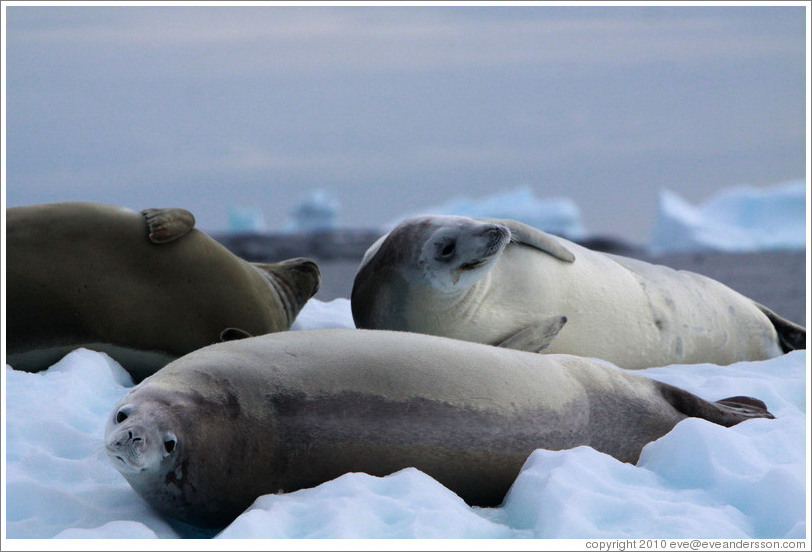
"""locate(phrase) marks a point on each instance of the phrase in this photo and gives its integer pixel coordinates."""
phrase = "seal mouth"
(123, 462)
(471, 265)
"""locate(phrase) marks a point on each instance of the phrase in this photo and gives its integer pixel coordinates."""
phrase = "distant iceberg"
(245, 220)
(738, 219)
(560, 215)
(317, 213)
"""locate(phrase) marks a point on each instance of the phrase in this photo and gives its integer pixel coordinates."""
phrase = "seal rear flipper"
(166, 225)
(791, 336)
(533, 237)
(744, 403)
(535, 337)
(726, 412)
(738, 409)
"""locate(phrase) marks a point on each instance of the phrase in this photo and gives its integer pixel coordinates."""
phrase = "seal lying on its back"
(212, 431)
(502, 282)
(144, 287)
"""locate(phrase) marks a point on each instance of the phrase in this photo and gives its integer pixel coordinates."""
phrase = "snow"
(699, 481)
(556, 215)
(741, 218)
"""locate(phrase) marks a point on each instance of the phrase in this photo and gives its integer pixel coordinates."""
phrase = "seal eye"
(169, 445)
(120, 416)
(446, 250)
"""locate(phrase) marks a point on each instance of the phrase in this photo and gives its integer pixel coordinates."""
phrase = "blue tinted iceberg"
(736, 220)
(245, 220)
(317, 213)
(558, 215)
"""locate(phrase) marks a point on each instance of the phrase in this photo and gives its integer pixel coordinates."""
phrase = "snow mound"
(405, 504)
(321, 315)
(700, 480)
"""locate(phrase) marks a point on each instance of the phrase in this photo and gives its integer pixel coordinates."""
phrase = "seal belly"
(586, 292)
(699, 319)
(633, 314)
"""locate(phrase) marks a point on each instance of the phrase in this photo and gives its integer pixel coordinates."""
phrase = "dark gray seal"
(204, 437)
(504, 283)
(144, 287)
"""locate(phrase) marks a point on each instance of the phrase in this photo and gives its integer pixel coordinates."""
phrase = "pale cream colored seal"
(204, 437)
(501, 282)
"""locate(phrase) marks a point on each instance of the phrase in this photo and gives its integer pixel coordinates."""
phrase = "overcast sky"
(392, 108)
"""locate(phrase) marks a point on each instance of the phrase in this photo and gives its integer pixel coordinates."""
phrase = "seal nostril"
(447, 250)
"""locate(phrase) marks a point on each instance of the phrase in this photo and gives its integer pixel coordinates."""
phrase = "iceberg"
(317, 213)
(557, 215)
(245, 220)
(738, 219)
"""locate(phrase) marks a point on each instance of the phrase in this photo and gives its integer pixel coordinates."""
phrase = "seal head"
(140, 440)
(294, 282)
(458, 251)
(188, 455)
(446, 253)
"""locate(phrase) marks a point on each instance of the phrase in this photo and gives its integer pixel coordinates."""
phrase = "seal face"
(145, 287)
(205, 436)
(504, 283)
(144, 445)
(458, 254)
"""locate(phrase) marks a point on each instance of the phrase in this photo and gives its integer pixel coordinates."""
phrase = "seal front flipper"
(726, 412)
(533, 237)
(536, 337)
(166, 225)
(791, 336)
